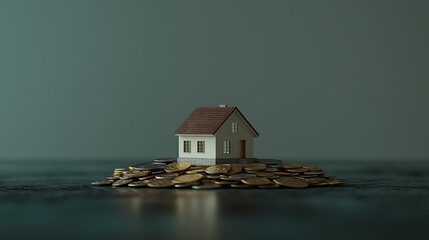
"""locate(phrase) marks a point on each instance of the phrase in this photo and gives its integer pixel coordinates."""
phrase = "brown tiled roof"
(207, 120)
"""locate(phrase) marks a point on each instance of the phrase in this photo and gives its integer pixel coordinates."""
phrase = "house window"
(226, 147)
(201, 146)
(234, 127)
(187, 146)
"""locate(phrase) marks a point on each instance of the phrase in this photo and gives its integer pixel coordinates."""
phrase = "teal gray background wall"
(114, 79)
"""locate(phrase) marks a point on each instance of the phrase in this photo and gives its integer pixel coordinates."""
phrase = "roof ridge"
(208, 120)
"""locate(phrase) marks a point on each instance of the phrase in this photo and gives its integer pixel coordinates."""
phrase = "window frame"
(187, 146)
(226, 147)
(234, 127)
(201, 146)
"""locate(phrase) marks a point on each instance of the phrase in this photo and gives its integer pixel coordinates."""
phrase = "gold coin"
(265, 174)
(185, 185)
(313, 168)
(256, 181)
(139, 183)
(235, 168)
(319, 184)
(120, 182)
(166, 175)
(335, 181)
(202, 170)
(206, 186)
(318, 181)
(314, 173)
(187, 178)
(232, 180)
(242, 175)
(218, 169)
(197, 167)
(289, 174)
(307, 176)
(147, 177)
(212, 176)
(255, 167)
(137, 174)
(113, 178)
(277, 165)
(290, 166)
(328, 175)
(177, 167)
(220, 182)
(206, 181)
(240, 185)
(160, 183)
(271, 169)
(298, 170)
(293, 182)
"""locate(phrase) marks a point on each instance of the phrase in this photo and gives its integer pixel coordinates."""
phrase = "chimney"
(223, 105)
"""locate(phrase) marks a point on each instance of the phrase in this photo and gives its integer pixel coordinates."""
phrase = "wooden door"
(242, 148)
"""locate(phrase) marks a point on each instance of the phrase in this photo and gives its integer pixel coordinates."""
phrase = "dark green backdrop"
(114, 79)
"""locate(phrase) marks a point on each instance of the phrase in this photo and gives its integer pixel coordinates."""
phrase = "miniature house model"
(213, 135)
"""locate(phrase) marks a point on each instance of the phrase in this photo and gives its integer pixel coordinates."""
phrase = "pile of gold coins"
(186, 175)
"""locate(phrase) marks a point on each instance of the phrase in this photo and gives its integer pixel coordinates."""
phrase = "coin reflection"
(197, 214)
(190, 214)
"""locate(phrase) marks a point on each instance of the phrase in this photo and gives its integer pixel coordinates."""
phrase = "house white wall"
(210, 146)
(225, 133)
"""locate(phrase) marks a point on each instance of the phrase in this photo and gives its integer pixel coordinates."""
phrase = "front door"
(242, 148)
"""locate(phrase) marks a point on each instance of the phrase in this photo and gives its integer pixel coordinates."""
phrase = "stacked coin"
(159, 174)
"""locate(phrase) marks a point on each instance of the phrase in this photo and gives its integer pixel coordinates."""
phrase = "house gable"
(224, 133)
(236, 113)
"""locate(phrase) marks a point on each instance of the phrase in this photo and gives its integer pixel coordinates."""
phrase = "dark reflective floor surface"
(54, 200)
